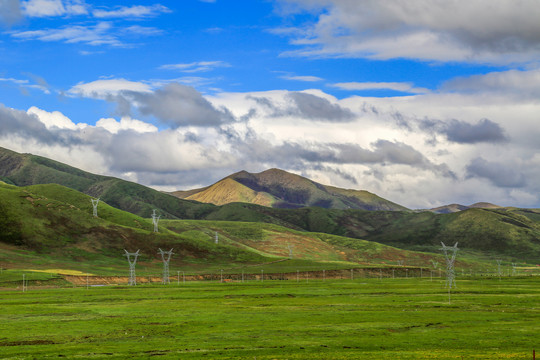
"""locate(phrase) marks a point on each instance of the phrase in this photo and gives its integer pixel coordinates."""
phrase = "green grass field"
(364, 318)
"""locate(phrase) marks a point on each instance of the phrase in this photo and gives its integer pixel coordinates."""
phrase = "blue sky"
(424, 103)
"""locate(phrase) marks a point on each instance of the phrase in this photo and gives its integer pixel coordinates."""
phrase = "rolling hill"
(49, 225)
(27, 169)
(452, 208)
(508, 232)
(281, 189)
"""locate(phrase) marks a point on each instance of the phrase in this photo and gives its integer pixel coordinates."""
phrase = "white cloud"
(500, 32)
(198, 66)
(103, 88)
(99, 34)
(306, 78)
(125, 123)
(54, 119)
(397, 86)
(40, 84)
(141, 30)
(523, 84)
(134, 11)
(15, 81)
(47, 8)
(459, 144)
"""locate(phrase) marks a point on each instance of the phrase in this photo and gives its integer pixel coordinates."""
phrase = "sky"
(425, 103)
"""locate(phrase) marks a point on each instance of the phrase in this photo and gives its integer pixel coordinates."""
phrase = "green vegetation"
(507, 233)
(52, 227)
(280, 189)
(341, 319)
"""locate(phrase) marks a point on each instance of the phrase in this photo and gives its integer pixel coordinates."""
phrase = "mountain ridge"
(509, 231)
(452, 208)
(280, 189)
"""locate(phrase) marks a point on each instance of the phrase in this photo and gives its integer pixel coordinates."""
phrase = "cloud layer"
(411, 150)
(473, 31)
(139, 107)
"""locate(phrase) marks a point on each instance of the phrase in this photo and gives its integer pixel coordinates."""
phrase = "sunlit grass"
(339, 319)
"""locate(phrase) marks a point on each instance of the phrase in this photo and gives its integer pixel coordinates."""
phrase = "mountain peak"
(281, 189)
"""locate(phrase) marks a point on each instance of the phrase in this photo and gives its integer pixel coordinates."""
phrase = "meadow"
(487, 318)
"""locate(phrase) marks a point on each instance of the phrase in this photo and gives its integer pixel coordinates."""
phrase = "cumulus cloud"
(465, 133)
(376, 144)
(126, 123)
(173, 104)
(28, 125)
(502, 175)
(428, 30)
(318, 155)
(54, 119)
(179, 105)
(160, 152)
(307, 106)
(521, 83)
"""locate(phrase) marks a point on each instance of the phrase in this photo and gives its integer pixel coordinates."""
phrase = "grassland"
(507, 233)
(488, 318)
(49, 226)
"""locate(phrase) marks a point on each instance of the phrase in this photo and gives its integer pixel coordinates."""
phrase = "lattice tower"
(450, 256)
(132, 262)
(166, 257)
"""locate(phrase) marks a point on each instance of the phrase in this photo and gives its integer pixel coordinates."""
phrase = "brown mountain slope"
(452, 208)
(281, 189)
(228, 191)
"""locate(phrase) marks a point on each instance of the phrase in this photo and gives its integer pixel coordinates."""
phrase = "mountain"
(280, 189)
(27, 169)
(49, 225)
(452, 208)
(507, 232)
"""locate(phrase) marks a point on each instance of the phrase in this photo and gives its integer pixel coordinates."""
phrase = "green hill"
(280, 189)
(56, 225)
(50, 226)
(27, 169)
(508, 232)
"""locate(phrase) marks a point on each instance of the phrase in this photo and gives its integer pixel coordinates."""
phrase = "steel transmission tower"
(155, 220)
(450, 255)
(132, 262)
(95, 203)
(166, 260)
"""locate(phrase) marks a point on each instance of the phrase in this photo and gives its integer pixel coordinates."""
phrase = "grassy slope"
(278, 188)
(228, 191)
(512, 233)
(56, 221)
(54, 227)
(25, 169)
(275, 240)
(499, 231)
